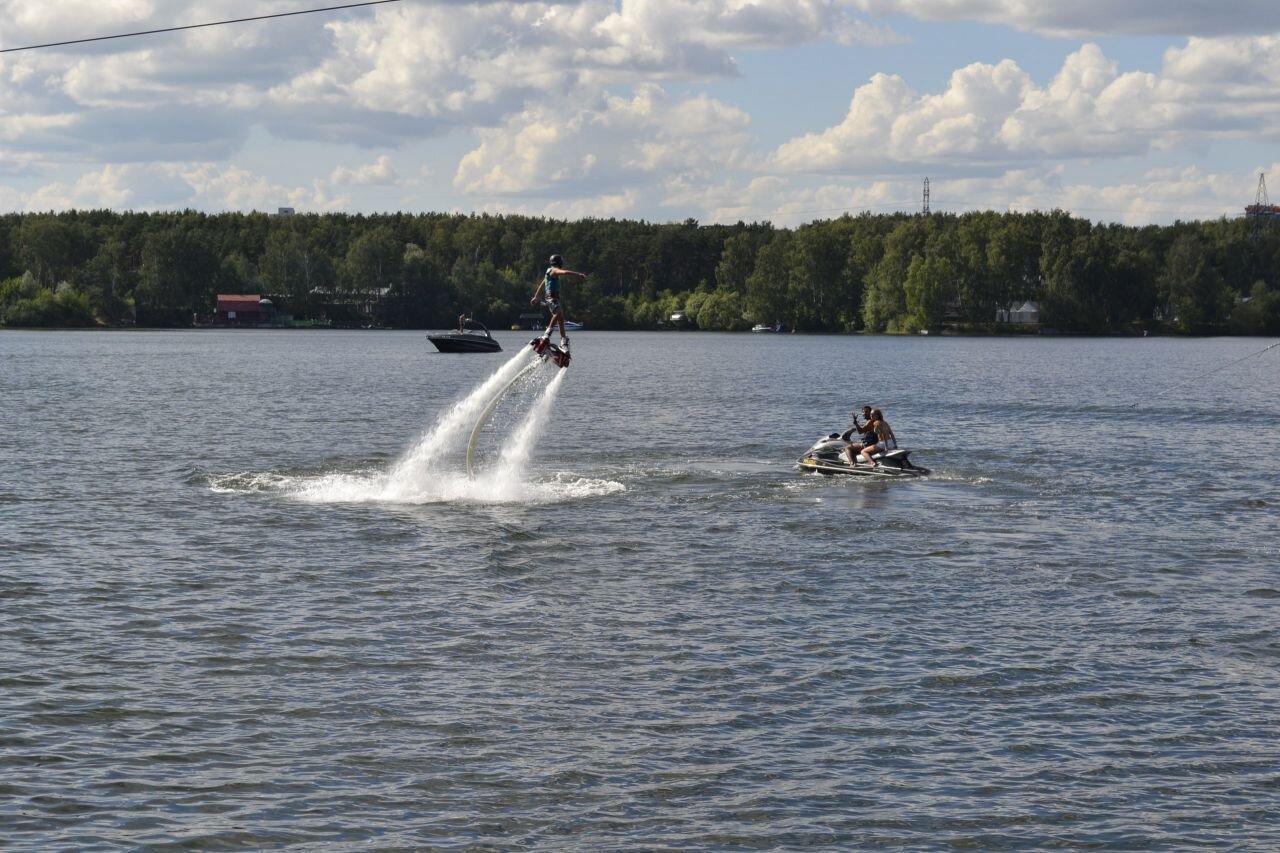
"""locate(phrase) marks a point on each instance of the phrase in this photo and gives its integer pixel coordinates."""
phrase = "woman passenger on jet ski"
(882, 436)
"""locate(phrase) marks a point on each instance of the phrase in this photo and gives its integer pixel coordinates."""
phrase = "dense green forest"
(895, 273)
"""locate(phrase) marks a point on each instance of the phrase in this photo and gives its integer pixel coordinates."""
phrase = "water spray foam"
(420, 475)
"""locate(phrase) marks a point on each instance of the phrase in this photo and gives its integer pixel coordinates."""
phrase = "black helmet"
(556, 260)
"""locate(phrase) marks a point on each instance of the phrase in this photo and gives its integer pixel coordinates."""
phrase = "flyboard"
(545, 351)
(558, 354)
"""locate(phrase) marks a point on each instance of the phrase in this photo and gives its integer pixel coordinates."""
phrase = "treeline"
(896, 273)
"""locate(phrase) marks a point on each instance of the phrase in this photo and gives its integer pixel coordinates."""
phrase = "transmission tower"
(925, 211)
(1262, 210)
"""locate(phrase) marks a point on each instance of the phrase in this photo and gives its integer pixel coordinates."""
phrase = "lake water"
(250, 599)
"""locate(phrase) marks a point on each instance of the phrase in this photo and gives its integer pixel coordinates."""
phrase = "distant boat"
(679, 320)
(761, 327)
(472, 337)
(537, 322)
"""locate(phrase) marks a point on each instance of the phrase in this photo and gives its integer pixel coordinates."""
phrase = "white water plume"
(421, 474)
(505, 480)
(438, 440)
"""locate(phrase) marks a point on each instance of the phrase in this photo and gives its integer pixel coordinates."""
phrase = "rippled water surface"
(249, 597)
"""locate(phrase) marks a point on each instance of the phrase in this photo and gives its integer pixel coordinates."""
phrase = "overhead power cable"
(197, 26)
(1159, 394)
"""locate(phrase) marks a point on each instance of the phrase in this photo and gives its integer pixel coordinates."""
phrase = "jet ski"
(559, 355)
(827, 456)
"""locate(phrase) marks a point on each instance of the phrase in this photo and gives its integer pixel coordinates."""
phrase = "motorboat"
(472, 336)
(572, 326)
(827, 456)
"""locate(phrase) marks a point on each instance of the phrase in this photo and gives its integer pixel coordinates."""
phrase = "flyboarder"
(549, 290)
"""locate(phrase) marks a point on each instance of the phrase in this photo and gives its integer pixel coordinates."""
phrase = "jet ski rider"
(866, 437)
(550, 289)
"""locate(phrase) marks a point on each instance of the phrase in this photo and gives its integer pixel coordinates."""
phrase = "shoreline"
(946, 333)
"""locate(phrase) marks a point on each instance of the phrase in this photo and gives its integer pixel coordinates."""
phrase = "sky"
(787, 111)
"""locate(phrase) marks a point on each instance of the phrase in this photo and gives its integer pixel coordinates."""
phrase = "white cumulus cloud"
(600, 106)
(1097, 17)
(993, 116)
(378, 173)
(615, 142)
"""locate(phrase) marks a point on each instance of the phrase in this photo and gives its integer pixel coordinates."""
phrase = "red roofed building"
(243, 310)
